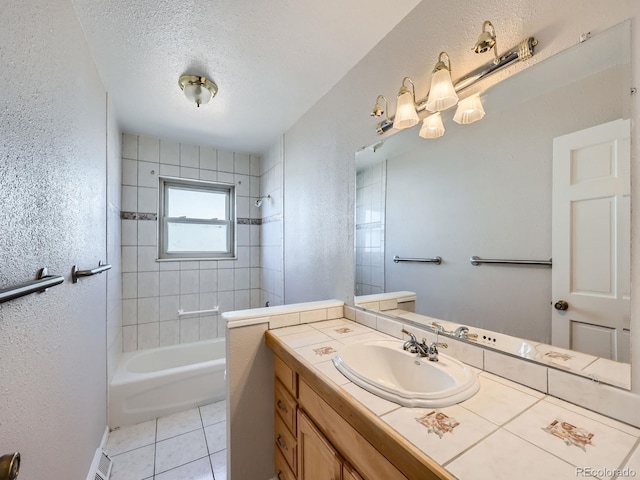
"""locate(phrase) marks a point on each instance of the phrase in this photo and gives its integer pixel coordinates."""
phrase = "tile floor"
(190, 445)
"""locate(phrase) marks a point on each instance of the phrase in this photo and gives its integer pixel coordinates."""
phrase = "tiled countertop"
(505, 431)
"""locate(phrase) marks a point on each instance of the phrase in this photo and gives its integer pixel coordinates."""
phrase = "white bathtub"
(159, 381)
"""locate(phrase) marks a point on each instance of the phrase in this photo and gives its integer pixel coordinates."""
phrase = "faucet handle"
(411, 335)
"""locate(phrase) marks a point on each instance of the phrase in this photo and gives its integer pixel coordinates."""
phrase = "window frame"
(165, 183)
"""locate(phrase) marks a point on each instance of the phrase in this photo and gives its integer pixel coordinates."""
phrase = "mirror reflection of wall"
(485, 189)
(370, 211)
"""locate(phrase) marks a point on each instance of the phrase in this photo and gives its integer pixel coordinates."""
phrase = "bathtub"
(159, 381)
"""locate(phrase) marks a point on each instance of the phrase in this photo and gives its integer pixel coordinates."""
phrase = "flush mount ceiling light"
(432, 126)
(469, 110)
(406, 115)
(487, 40)
(197, 89)
(442, 94)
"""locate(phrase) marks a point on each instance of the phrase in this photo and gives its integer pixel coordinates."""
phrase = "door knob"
(9, 466)
(561, 305)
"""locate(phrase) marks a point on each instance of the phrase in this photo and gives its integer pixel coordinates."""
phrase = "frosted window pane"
(196, 204)
(188, 237)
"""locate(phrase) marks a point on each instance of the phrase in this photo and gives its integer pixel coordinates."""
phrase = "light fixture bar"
(522, 51)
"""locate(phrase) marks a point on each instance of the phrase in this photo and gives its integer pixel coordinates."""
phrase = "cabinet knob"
(281, 407)
(280, 443)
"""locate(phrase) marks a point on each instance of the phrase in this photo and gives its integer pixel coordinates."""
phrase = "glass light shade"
(406, 115)
(432, 126)
(442, 94)
(469, 110)
(197, 93)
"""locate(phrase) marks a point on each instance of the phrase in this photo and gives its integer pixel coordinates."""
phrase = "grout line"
(626, 459)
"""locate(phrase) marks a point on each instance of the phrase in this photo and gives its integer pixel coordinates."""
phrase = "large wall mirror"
(544, 175)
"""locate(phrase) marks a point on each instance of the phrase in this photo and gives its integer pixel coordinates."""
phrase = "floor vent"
(101, 466)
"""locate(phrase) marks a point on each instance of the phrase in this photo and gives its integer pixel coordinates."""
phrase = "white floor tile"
(128, 438)
(133, 465)
(216, 435)
(198, 470)
(178, 423)
(219, 465)
(177, 451)
(214, 413)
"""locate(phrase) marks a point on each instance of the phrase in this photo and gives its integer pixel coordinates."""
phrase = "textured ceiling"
(272, 60)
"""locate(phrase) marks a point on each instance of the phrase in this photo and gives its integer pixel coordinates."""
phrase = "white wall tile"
(148, 175)
(313, 315)
(255, 165)
(225, 161)
(242, 279)
(226, 301)
(169, 170)
(169, 152)
(189, 281)
(129, 199)
(189, 156)
(169, 333)
(190, 302)
(208, 327)
(242, 163)
(208, 281)
(241, 299)
(189, 330)
(147, 234)
(148, 284)
(129, 259)
(191, 173)
(148, 335)
(129, 232)
(208, 175)
(129, 285)
(147, 259)
(208, 301)
(148, 149)
(169, 306)
(130, 338)
(147, 199)
(243, 185)
(148, 310)
(130, 146)
(226, 280)
(129, 172)
(526, 373)
(130, 311)
(170, 282)
(208, 158)
(278, 321)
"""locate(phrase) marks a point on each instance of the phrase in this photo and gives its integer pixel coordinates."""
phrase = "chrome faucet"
(413, 346)
(432, 350)
(463, 332)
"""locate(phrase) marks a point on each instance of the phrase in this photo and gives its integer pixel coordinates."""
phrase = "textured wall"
(52, 213)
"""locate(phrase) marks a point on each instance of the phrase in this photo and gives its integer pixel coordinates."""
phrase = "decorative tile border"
(569, 434)
(154, 216)
(437, 422)
(138, 216)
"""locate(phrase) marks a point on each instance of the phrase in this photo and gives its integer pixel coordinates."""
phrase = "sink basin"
(383, 368)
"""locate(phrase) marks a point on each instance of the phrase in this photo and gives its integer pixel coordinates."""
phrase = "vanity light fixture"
(434, 101)
(442, 94)
(197, 89)
(469, 110)
(432, 126)
(487, 40)
(406, 115)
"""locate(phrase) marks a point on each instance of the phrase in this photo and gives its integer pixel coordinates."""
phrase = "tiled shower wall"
(271, 237)
(152, 291)
(370, 219)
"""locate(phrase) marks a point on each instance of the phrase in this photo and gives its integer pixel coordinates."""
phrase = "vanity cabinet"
(313, 442)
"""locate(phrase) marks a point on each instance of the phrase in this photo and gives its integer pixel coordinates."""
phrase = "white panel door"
(591, 240)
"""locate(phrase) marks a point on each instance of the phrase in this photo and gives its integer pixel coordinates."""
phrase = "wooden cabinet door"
(348, 473)
(317, 460)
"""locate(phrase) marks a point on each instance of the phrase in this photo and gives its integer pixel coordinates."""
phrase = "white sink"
(383, 368)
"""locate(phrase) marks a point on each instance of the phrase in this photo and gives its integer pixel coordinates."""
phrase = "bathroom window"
(196, 220)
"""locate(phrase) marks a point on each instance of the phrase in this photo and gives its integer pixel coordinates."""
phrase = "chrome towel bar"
(40, 284)
(75, 273)
(475, 260)
(436, 260)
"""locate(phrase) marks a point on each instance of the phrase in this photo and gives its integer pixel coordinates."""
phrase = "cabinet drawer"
(286, 443)
(283, 471)
(286, 406)
(285, 375)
